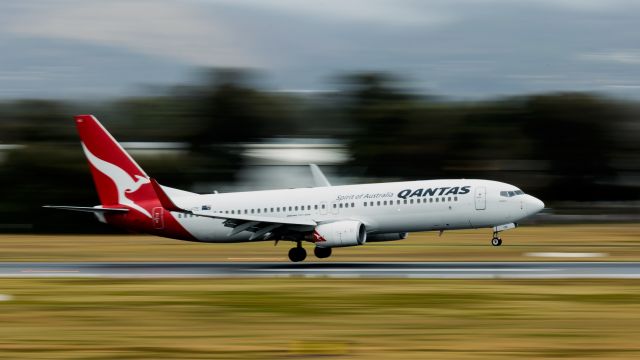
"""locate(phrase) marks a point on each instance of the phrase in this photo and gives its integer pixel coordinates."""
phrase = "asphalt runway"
(452, 270)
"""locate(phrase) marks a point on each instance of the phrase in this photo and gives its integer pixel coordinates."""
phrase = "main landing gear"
(322, 253)
(297, 253)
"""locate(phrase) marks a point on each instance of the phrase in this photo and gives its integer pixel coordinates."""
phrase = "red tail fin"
(119, 180)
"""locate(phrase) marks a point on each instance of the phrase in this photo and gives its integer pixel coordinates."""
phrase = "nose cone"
(533, 205)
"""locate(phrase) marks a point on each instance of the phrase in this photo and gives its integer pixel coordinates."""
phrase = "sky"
(467, 49)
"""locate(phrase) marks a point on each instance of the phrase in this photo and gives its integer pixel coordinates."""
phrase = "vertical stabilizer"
(118, 178)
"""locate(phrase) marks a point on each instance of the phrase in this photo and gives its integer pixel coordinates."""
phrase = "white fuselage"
(382, 207)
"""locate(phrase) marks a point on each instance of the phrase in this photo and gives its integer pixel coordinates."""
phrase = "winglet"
(165, 201)
(319, 179)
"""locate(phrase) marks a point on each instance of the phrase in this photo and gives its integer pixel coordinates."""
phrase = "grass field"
(315, 318)
(319, 319)
(620, 242)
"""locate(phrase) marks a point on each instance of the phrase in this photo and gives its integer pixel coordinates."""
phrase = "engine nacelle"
(387, 237)
(340, 234)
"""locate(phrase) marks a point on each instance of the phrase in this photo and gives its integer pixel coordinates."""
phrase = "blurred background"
(237, 95)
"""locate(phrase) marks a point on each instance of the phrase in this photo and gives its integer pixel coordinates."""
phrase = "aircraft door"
(158, 218)
(481, 198)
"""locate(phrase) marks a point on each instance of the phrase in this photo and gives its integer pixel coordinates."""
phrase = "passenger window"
(334, 206)
(430, 200)
(455, 198)
(378, 203)
(290, 208)
(371, 203)
(323, 206)
(340, 205)
(411, 201)
(449, 198)
(364, 204)
(405, 201)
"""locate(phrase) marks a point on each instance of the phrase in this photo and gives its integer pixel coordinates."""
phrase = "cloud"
(171, 29)
(379, 12)
(628, 57)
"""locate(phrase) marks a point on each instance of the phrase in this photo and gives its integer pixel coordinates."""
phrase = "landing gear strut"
(322, 253)
(496, 241)
(297, 253)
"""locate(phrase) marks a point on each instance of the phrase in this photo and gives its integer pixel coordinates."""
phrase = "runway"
(425, 270)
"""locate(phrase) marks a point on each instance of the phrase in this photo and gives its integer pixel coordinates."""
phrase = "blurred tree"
(229, 111)
(35, 120)
(379, 110)
(572, 132)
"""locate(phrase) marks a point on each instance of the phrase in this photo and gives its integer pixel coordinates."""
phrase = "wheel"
(297, 254)
(496, 241)
(322, 253)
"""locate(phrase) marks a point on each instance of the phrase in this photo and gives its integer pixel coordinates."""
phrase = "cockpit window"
(511, 193)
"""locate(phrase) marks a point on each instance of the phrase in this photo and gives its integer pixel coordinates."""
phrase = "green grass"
(319, 318)
(621, 242)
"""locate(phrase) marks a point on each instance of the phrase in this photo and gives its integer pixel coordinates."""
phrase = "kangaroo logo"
(125, 184)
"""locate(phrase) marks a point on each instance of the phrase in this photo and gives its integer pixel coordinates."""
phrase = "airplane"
(324, 215)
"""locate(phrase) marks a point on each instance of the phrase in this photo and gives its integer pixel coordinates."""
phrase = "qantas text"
(456, 190)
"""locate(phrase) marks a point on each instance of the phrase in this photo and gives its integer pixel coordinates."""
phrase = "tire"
(297, 254)
(496, 241)
(322, 253)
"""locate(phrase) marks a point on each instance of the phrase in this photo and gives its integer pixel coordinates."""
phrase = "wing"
(318, 177)
(259, 225)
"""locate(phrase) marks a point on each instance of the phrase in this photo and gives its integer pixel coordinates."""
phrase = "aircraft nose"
(534, 205)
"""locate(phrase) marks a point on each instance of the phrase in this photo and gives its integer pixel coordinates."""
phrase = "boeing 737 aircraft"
(326, 216)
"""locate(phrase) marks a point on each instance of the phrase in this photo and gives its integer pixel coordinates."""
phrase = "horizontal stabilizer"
(88, 209)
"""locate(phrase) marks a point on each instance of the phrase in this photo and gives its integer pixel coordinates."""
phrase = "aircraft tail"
(118, 178)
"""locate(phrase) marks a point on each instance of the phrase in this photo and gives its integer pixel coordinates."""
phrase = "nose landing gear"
(495, 240)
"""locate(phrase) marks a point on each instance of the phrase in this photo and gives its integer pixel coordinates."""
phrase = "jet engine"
(340, 234)
(387, 237)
